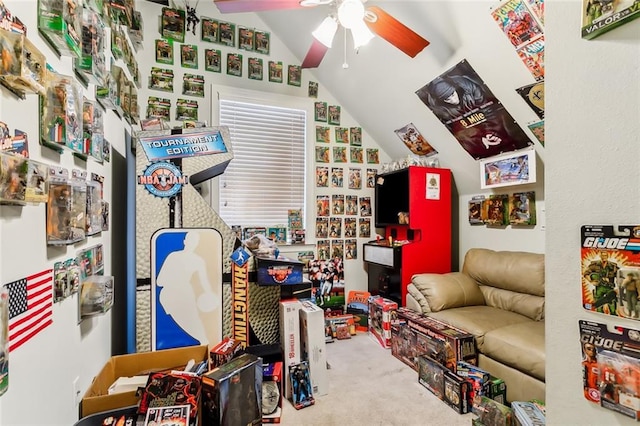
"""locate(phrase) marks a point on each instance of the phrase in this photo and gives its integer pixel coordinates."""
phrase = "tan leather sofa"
(499, 298)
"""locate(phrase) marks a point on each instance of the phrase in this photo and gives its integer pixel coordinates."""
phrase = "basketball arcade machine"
(413, 205)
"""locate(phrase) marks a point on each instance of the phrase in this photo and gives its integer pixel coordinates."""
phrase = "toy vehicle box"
(97, 399)
(445, 343)
(279, 271)
(314, 346)
(382, 313)
(491, 413)
(290, 337)
(223, 352)
(232, 393)
(272, 392)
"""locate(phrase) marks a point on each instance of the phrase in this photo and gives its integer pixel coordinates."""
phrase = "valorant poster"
(475, 117)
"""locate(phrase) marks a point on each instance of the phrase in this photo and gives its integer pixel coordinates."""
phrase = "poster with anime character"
(472, 113)
(516, 20)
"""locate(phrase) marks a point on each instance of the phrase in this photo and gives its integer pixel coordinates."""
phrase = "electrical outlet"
(77, 395)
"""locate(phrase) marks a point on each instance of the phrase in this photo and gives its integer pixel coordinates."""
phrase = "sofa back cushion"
(519, 276)
(445, 291)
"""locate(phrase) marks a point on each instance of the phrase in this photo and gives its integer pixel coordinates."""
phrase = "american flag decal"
(30, 307)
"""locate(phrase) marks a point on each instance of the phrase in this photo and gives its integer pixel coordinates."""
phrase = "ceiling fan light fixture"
(361, 35)
(312, 3)
(350, 13)
(326, 31)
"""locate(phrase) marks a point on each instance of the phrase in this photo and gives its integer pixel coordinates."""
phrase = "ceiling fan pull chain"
(345, 65)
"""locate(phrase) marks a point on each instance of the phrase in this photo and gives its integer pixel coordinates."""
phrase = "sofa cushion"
(521, 272)
(446, 291)
(479, 320)
(525, 304)
(418, 297)
(520, 346)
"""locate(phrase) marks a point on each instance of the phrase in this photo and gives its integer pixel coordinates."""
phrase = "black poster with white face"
(475, 117)
(533, 95)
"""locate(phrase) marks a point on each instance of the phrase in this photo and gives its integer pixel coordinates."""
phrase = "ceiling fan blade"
(238, 6)
(394, 31)
(315, 55)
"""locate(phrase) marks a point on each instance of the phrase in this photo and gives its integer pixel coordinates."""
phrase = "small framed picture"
(227, 34)
(212, 60)
(337, 178)
(275, 72)
(356, 155)
(372, 156)
(245, 38)
(355, 136)
(320, 109)
(513, 168)
(210, 30)
(371, 178)
(234, 64)
(339, 154)
(322, 177)
(294, 75)
(334, 114)
(189, 56)
(193, 85)
(262, 42)
(342, 135)
(164, 51)
(323, 134)
(313, 89)
(256, 68)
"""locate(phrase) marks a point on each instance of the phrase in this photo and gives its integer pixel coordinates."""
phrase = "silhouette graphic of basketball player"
(181, 273)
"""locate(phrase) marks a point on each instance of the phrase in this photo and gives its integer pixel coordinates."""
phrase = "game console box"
(382, 313)
(232, 393)
(290, 336)
(272, 382)
(223, 352)
(416, 334)
(314, 346)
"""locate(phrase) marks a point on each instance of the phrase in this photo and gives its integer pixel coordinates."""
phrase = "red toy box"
(223, 352)
(382, 313)
(414, 334)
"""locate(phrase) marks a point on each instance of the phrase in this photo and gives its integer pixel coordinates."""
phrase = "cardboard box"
(382, 312)
(457, 392)
(314, 346)
(358, 306)
(290, 337)
(97, 399)
(498, 390)
(445, 343)
(223, 352)
(232, 393)
(491, 413)
(479, 378)
(279, 271)
(431, 375)
(331, 323)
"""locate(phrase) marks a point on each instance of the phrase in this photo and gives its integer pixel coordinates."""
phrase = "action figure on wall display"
(192, 18)
(602, 274)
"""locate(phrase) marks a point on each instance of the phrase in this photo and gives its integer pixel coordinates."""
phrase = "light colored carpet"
(369, 386)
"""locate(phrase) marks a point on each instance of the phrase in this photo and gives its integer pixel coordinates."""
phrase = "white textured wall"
(592, 176)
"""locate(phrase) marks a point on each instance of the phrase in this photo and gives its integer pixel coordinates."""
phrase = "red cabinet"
(421, 245)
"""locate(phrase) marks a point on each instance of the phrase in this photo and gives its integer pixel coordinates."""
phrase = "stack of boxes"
(445, 358)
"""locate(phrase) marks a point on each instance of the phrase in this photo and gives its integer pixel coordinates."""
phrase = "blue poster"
(186, 287)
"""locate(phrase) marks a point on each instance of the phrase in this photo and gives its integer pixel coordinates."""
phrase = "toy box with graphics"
(610, 366)
(600, 16)
(170, 389)
(327, 277)
(431, 375)
(491, 413)
(417, 335)
(457, 392)
(272, 392)
(278, 271)
(610, 269)
(232, 393)
(223, 352)
(382, 313)
(358, 306)
(302, 390)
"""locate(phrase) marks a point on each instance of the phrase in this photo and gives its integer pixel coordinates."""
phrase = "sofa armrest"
(416, 300)
(450, 290)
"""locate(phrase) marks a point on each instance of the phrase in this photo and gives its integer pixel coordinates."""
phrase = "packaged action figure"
(61, 115)
(96, 296)
(23, 65)
(13, 179)
(302, 392)
(37, 182)
(60, 22)
(94, 208)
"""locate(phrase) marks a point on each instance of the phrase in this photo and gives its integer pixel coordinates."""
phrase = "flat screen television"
(391, 197)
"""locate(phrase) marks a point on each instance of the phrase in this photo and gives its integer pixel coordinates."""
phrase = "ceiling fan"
(351, 14)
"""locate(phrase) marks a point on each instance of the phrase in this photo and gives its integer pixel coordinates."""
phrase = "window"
(267, 174)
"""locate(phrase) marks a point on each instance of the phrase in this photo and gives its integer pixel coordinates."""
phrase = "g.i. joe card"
(610, 366)
(610, 269)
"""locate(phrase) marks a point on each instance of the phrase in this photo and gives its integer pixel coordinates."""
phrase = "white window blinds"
(267, 174)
